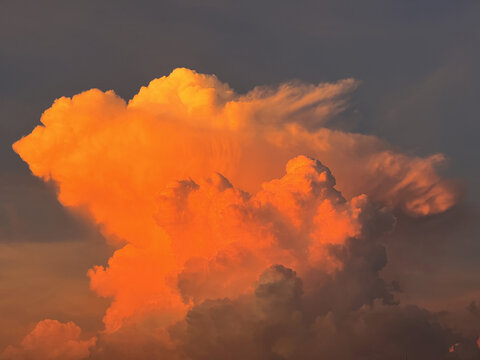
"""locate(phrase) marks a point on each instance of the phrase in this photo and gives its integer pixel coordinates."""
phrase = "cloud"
(217, 239)
(192, 125)
(216, 234)
(51, 340)
(275, 323)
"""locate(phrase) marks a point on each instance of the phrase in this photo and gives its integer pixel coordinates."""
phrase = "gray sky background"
(417, 61)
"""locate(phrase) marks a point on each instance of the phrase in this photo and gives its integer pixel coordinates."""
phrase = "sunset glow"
(202, 189)
(239, 180)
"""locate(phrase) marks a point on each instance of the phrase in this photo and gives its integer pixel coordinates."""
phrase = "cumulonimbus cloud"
(218, 200)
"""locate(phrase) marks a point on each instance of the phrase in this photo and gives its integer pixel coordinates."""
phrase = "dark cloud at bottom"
(281, 320)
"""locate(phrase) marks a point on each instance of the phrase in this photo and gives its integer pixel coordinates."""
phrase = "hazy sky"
(419, 85)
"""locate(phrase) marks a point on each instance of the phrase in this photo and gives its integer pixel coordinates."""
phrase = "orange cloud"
(217, 239)
(157, 172)
(51, 340)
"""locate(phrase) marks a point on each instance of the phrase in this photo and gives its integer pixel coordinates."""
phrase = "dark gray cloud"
(275, 324)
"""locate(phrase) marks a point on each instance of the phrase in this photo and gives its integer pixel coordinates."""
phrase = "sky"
(380, 95)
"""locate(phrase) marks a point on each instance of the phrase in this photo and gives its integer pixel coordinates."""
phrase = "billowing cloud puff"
(218, 240)
(96, 146)
(51, 340)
